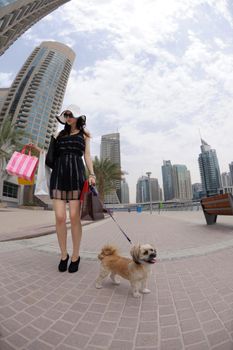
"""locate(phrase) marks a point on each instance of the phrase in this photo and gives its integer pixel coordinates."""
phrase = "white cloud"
(5, 79)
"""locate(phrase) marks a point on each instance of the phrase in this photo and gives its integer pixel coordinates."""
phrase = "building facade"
(155, 190)
(209, 170)
(3, 94)
(110, 149)
(182, 182)
(197, 190)
(168, 189)
(143, 190)
(36, 95)
(124, 192)
(17, 16)
(231, 172)
(226, 179)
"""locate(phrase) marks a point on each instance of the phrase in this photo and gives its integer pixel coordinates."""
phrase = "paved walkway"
(190, 306)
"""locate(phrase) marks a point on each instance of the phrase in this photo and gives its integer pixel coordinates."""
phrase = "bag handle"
(24, 149)
(84, 190)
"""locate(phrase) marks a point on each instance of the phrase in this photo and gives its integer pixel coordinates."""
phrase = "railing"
(157, 207)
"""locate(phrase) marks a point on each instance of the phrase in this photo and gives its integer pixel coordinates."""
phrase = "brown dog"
(135, 270)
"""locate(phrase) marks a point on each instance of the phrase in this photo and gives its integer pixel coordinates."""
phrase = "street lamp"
(149, 174)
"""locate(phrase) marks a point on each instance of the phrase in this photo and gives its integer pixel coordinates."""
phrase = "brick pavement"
(19, 223)
(190, 307)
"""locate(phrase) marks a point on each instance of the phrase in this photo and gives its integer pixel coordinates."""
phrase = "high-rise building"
(124, 192)
(182, 182)
(155, 189)
(3, 94)
(231, 172)
(36, 95)
(143, 190)
(226, 179)
(197, 190)
(209, 170)
(17, 16)
(110, 149)
(168, 189)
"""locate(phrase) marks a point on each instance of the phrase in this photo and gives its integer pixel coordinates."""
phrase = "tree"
(10, 141)
(106, 173)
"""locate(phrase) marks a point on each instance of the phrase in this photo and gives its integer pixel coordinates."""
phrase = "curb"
(40, 234)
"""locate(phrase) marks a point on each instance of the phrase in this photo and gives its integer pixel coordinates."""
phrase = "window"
(10, 190)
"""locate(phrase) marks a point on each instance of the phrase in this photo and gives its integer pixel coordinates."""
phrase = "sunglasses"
(68, 115)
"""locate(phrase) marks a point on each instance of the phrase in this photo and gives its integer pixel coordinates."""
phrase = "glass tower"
(182, 182)
(36, 95)
(209, 170)
(167, 180)
(110, 149)
(16, 16)
(231, 172)
(143, 193)
(124, 192)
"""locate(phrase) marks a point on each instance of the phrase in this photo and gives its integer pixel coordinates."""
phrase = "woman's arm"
(88, 161)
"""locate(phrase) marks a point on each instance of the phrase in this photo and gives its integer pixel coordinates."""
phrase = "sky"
(159, 72)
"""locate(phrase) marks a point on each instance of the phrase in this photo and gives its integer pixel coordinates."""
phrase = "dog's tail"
(106, 251)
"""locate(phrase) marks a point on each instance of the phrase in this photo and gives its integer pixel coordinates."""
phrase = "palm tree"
(10, 141)
(106, 173)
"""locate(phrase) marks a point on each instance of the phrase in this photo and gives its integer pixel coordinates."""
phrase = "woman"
(67, 180)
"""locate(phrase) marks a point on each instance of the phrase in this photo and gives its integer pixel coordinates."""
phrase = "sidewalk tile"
(76, 340)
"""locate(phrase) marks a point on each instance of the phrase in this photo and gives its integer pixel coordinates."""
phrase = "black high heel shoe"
(73, 267)
(62, 267)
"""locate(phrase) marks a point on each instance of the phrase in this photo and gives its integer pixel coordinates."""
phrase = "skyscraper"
(35, 97)
(155, 189)
(143, 190)
(3, 94)
(110, 149)
(197, 190)
(226, 179)
(231, 172)
(168, 189)
(209, 169)
(182, 182)
(17, 16)
(124, 192)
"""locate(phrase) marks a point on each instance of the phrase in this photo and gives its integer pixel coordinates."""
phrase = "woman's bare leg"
(60, 215)
(76, 227)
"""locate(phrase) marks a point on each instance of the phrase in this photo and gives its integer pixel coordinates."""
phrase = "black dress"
(68, 174)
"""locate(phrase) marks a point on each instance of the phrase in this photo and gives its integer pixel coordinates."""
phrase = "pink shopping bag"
(22, 165)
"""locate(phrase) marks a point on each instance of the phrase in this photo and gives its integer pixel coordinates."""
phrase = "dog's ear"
(135, 252)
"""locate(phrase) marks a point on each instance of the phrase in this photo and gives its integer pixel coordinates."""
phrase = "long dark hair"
(80, 125)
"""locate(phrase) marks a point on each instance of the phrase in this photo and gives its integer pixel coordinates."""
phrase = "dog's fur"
(136, 270)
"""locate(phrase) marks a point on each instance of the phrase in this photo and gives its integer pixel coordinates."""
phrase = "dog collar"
(137, 262)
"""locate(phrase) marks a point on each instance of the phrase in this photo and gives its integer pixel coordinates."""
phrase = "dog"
(136, 270)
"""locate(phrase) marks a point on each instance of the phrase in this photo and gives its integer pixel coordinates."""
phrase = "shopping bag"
(43, 181)
(91, 206)
(22, 181)
(22, 165)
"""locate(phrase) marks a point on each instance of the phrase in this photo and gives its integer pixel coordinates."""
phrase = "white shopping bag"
(43, 180)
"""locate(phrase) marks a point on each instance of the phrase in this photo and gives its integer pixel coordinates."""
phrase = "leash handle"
(108, 211)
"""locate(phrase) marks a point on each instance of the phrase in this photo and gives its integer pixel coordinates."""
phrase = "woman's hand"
(36, 148)
(91, 179)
